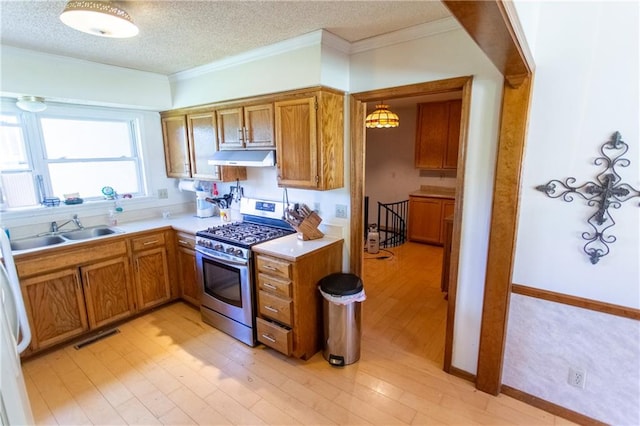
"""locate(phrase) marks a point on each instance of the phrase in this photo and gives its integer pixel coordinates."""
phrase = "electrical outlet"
(316, 207)
(577, 377)
(341, 211)
(163, 193)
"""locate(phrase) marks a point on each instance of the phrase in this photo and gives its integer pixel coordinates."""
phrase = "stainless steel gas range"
(225, 266)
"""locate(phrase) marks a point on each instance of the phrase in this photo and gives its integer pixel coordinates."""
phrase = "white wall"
(63, 79)
(586, 87)
(447, 55)
(80, 82)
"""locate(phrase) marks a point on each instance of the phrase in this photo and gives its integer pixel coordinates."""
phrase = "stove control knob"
(218, 247)
(239, 253)
(230, 250)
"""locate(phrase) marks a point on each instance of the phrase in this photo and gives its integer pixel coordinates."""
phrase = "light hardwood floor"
(167, 367)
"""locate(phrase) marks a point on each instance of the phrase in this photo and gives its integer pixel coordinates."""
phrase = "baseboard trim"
(593, 305)
(550, 407)
(462, 374)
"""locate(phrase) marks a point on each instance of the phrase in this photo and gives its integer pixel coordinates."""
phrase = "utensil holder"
(308, 228)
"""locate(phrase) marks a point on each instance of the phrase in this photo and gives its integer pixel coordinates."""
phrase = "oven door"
(227, 285)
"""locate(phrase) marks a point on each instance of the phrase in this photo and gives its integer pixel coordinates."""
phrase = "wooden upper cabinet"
(310, 141)
(248, 127)
(202, 134)
(437, 135)
(176, 146)
(189, 142)
(230, 128)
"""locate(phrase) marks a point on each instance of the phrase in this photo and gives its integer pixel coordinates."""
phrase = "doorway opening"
(409, 264)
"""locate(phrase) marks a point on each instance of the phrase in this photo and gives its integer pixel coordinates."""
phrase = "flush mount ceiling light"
(31, 103)
(382, 118)
(99, 18)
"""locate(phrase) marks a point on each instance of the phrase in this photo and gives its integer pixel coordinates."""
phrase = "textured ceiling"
(180, 35)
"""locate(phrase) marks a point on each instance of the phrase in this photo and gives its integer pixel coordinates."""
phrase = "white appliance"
(15, 336)
(373, 240)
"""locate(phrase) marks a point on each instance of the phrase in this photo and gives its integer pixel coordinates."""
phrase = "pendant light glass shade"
(99, 18)
(31, 103)
(382, 118)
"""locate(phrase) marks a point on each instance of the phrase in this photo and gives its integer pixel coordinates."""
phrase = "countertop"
(288, 247)
(434, 192)
(291, 248)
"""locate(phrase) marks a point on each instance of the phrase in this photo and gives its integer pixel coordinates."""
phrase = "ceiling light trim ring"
(31, 103)
(99, 18)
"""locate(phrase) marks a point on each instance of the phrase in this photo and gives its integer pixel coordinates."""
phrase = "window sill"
(88, 208)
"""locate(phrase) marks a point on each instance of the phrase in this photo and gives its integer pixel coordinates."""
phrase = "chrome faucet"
(55, 227)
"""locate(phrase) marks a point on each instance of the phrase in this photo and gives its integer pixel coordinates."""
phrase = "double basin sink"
(63, 237)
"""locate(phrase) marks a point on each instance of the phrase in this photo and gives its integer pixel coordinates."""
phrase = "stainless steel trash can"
(342, 309)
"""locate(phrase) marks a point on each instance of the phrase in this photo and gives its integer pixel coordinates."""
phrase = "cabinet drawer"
(185, 240)
(274, 266)
(274, 285)
(274, 336)
(147, 242)
(275, 307)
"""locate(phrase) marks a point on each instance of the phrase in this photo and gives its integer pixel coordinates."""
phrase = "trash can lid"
(340, 284)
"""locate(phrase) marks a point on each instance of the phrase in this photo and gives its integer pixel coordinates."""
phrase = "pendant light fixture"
(31, 103)
(382, 118)
(100, 18)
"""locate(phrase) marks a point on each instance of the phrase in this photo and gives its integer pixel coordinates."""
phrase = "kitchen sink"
(86, 233)
(36, 242)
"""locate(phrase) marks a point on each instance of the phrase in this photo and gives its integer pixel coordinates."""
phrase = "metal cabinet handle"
(270, 286)
(185, 243)
(269, 338)
(271, 268)
(146, 243)
(269, 308)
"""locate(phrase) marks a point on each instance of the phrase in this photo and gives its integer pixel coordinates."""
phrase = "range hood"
(243, 158)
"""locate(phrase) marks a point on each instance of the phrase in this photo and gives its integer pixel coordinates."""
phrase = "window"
(66, 150)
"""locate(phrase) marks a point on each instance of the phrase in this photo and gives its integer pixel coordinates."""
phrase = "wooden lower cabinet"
(55, 306)
(107, 292)
(289, 303)
(187, 271)
(76, 289)
(426, 218)
(69, 302)
(152, 277)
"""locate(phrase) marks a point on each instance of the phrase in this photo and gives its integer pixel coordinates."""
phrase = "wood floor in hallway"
(167, 367)
(405, 308)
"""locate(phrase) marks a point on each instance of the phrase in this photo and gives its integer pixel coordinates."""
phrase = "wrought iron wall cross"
(607, 191)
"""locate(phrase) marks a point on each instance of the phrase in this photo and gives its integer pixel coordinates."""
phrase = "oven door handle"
(225, 259)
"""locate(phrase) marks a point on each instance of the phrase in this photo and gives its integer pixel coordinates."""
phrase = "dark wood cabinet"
(438, 135)
(426, 218)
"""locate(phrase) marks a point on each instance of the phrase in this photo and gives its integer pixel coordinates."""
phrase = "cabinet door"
(188, 275)
(230, 129)
(202, 134)
(176, 146)
(107, 291)
(425, 219)
(55, 306)
(431, 135)
(152, 277)
(450, 159)
(258, 126)
(296, 143)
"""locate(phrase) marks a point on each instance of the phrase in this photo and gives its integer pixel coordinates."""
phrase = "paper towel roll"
(186, 185)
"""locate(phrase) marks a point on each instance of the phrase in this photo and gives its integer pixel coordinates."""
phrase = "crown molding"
(325, 38)
(407, 34)
(305, 40)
